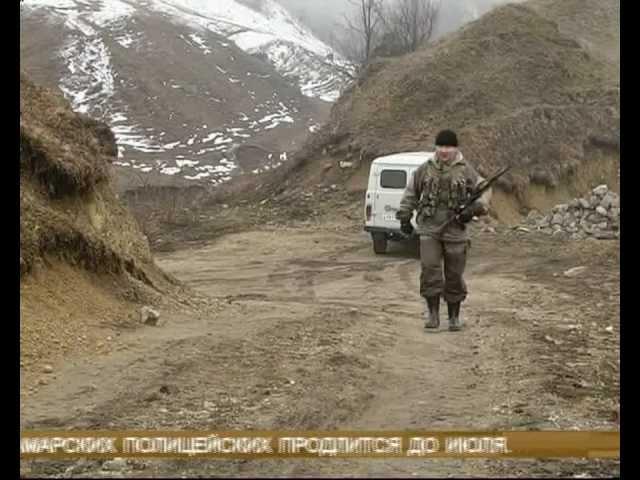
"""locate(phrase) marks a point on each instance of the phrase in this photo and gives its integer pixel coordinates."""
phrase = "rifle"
(477, 193)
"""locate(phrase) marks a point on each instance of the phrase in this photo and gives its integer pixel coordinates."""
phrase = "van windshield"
(393, 179)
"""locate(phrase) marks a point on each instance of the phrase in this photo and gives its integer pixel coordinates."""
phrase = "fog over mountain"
(324, 16)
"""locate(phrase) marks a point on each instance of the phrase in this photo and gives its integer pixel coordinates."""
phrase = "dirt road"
(315, 331)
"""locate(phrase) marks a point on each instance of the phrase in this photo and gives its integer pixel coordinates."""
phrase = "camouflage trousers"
(436, 280)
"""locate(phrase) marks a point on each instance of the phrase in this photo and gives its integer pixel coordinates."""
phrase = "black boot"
(454, 316)
(433, 314)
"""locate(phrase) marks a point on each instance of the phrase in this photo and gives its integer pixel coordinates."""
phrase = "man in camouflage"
(436, 190)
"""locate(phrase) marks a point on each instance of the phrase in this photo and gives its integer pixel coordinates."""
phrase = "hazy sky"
(322, 15)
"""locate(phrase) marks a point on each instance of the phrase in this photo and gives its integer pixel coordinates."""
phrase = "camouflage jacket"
(434, 191)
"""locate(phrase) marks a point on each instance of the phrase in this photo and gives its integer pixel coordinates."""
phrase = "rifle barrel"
(484, 186)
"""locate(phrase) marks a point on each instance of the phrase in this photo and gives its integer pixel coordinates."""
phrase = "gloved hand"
(406, 227)
(467, 214)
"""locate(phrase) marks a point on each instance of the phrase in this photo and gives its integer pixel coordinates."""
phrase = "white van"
(388, 178)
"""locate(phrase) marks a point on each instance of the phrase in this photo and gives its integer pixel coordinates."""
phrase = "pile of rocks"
(597, 216)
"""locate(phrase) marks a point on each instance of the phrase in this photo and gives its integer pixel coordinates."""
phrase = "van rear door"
(392, 181)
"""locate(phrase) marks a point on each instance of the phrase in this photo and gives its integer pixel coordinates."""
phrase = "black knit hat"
(447, 138)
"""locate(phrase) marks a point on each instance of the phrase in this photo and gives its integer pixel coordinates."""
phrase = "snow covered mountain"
(195, 90)
(269, 29)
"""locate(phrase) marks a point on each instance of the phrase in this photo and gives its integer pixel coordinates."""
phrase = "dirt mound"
(84, 263)
(67, 207)
(530, 85)
(594, 24)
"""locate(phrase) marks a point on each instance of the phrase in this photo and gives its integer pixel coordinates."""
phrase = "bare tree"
(363, 27)
(409, 23)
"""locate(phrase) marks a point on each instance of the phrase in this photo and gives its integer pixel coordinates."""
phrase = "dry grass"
(58, 147)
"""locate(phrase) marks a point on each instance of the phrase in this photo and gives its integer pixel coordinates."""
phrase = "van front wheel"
(379, 243)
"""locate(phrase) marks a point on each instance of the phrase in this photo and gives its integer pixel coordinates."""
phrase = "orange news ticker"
(56, 444)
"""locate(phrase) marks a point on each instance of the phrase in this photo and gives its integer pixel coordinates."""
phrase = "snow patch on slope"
(321, 77)
(248, 28)
(293, 50)
(90, 82)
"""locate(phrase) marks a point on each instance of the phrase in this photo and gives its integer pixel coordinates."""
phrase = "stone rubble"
(597, 215)
(149, 316)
